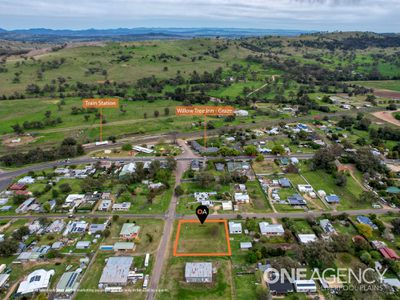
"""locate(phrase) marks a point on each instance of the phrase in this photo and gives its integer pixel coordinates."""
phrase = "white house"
(124, 206)
(36, 281)
(241, 113)
(305, 188)
(27, 180)
(271, 229)
(307, 238)
(227, 205)
(242, 197)
(142, 149)
(72, 198)
(235, 228)
(82, 245)
(305, 286)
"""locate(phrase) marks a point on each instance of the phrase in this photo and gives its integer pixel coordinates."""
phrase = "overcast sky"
(372, 15)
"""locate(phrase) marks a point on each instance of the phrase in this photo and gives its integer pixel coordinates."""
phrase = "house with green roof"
(129, 231)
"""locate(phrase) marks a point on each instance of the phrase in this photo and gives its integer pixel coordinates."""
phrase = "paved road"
(182, 164)
(162, 253)
(96, 215)
(6, 177)
(295, 214)
(215, 216)
(215, 132)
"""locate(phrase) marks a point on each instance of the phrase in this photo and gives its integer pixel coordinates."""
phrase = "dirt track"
(387, 116)
(387, 93)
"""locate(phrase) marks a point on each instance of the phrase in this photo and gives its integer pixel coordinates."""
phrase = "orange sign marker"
(100, 103)
(204, 111)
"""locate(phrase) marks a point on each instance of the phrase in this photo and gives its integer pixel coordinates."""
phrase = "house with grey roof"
(245, 245)
(94, 228)
(124, 246)
(198, 272)
(327, 226)
(296, 199)
(284, 182)
(271, 229)
(69, 282)
(116, 271)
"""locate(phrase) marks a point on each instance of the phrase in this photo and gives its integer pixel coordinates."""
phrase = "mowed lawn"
(258, 199)
(173, 281)
(381, 84)
(18, 111)
(91, 281)
(202, 238)
(348, 194)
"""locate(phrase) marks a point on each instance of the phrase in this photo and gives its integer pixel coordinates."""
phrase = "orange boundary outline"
(229, 253)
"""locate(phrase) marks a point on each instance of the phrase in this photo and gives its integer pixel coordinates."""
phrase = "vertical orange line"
(205, 131)
(227, 238)
(178, 231)
(101, 124)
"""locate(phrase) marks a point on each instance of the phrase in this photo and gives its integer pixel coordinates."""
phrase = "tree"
(151, 195)
(364, 230)
(106, 233)
(259, 158)
(20, 233)
(46, 207)
(112, 138)
(18, 199)
(278, 149)
(65, 188)
(250, 150)
(90, 184)
(367, 162)
(317, 255)
(126, 147)
(8, 247)
(251, 257)
(17, 129)
(341, 243)
(54, 193)
(396, 226)
(262, 292)
(179, 191)
(324, 158)
(171, 163)
(365, 257)
(205, 179)
(53, 254)
(368, 197)
(340, 179)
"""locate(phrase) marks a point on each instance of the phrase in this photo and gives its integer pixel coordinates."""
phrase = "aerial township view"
(203, 149)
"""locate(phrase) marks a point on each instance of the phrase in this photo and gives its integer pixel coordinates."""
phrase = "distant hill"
(133, 34)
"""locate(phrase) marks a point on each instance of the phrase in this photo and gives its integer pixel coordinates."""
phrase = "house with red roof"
(23, 192)
(389, 253)
(17, 187)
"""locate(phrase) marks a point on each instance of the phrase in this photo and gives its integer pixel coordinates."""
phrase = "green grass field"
(91, 281)
(195, 238)
(393, 85)
(348, 194)
(177, 288)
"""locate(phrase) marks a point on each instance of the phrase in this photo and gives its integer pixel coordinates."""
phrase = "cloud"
(314, 14)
